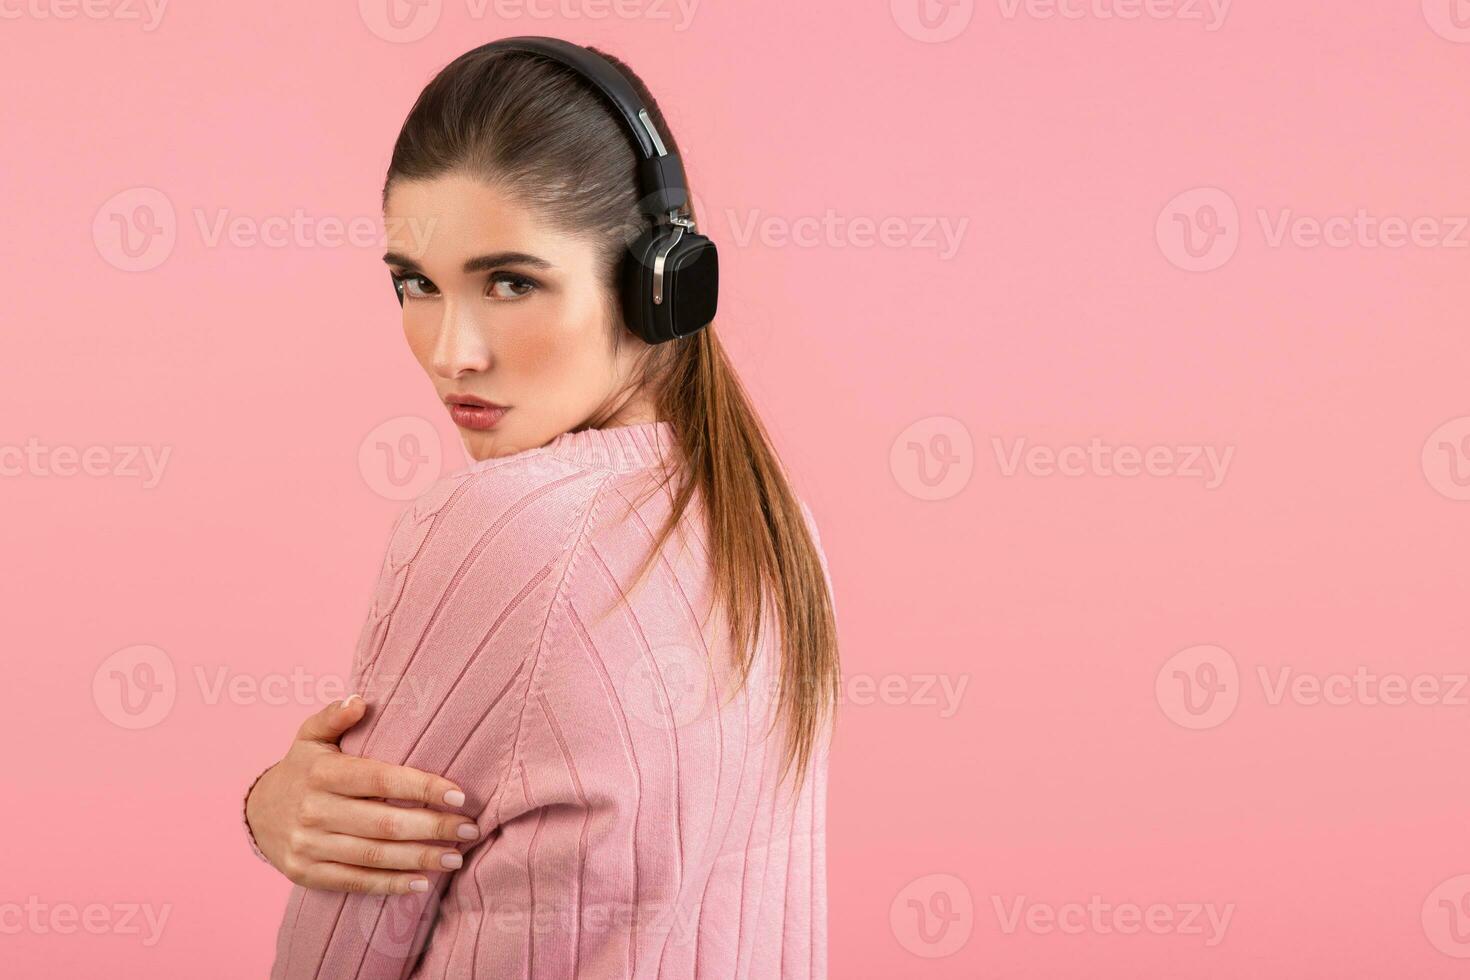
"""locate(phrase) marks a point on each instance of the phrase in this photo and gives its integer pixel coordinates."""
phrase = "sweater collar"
(620, 448)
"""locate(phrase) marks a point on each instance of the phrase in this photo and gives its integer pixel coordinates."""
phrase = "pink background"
(1080, 610)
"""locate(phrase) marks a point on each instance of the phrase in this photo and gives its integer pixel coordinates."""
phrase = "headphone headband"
(662, 185)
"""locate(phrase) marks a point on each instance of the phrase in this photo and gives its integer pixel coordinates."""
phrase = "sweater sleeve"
(463, 614)
(245, 819)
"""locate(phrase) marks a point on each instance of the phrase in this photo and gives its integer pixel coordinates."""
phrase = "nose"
(462, 346)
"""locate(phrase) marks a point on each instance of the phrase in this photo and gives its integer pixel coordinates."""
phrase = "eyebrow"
(479, 263)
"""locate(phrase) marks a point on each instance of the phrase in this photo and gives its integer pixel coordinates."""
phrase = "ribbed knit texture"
(630, 820)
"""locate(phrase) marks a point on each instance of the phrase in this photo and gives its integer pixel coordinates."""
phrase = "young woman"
(599, 672)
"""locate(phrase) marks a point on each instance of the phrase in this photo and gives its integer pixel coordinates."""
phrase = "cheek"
(569, 345)
(537, 351)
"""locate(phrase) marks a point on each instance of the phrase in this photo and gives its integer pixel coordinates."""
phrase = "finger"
(350, 775)
(328, 724)
(344, 878)
(383, 821)
(389, 855)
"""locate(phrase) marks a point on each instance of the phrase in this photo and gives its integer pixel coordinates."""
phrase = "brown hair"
(535, 127)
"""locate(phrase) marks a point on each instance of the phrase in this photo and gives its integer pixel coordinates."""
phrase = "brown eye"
(509, 286)
(416, 286)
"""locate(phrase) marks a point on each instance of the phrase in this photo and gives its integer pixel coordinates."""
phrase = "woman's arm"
(310, 815)
(445, 668)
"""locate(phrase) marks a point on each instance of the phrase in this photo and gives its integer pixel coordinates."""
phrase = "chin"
(480, 446)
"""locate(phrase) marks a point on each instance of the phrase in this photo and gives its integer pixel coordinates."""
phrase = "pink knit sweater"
(630, 821)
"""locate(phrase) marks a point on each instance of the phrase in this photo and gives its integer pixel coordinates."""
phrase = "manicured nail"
(419, 885)
(452, 861)
(348, 700)
(468, 831)
(454, 798)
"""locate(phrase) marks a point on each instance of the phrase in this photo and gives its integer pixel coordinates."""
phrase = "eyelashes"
(404, 282)
(416, 286)
(518, 282)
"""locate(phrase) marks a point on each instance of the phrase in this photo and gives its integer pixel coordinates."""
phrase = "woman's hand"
(315, 819)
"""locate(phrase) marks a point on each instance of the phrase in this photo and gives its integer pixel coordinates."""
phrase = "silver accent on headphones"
(658, 144)
(658, 265)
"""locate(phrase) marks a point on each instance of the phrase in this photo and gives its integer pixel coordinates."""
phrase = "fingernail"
(419, 885)
(452, 861)
(454, 798)
(468, 831)
(348, 700)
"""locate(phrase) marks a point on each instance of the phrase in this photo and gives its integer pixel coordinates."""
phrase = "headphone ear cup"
(692, 284)
(686, 300)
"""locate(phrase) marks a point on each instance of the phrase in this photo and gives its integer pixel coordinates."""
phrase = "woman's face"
(499, 307)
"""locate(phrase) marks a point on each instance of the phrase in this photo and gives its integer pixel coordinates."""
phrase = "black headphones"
(670, 275)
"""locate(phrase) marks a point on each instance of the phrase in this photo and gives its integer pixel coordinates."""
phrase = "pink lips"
(472, 412)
